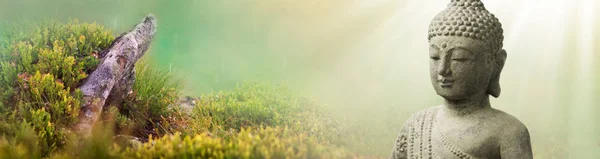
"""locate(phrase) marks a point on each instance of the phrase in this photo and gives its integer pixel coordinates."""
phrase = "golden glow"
(368, 59)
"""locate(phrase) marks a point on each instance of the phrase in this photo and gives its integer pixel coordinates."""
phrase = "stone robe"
(419, 139)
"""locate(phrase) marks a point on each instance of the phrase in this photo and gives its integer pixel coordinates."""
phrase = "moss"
(248, 143)
(296, 132)
(40, 66)
(255, 105)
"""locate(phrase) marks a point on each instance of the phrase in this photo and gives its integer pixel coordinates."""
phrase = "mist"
(367, 60)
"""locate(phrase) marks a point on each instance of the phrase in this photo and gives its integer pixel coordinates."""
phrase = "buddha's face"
(459, 67)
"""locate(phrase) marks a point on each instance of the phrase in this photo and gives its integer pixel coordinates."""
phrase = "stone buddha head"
(466, 55)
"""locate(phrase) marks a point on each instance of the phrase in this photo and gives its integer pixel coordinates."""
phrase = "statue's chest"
(427, 139)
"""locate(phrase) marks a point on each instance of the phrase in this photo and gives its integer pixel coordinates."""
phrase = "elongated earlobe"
(494, 86)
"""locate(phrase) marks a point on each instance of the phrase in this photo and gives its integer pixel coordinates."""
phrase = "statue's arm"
(400, 144)
(516, 143)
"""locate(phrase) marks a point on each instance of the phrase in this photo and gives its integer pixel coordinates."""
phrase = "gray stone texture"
(466, 59)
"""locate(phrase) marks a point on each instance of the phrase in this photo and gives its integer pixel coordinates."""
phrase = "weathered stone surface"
(465, 66)
(129, 141)
(113, 78)
(187, 104)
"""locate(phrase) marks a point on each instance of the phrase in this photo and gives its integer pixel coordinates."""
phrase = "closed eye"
(460, 59)
(435, 58)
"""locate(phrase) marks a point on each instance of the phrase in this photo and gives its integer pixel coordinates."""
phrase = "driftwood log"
(113, 78)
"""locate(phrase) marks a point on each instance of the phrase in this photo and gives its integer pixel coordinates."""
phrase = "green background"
(367, 60)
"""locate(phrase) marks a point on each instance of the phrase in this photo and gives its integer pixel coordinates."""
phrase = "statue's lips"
(445, 83)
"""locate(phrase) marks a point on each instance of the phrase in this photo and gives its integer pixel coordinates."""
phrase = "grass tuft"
(152, 108)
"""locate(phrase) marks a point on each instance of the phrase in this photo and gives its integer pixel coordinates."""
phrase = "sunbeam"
(366, 60)
(580, 146)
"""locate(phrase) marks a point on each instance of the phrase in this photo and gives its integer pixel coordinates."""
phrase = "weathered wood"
(114, 76)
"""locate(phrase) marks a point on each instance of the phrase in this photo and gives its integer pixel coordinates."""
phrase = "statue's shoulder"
(513, 136)
(422, 113)
(508, 123)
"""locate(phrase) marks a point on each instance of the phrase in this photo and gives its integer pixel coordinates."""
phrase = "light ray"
(512, 35)
(580, 145)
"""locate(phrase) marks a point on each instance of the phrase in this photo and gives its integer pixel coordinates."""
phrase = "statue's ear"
(494, 86)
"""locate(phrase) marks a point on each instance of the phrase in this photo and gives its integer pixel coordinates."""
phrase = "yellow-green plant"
(18, 140)
(248, 143)
(41, 65)
(255, 105)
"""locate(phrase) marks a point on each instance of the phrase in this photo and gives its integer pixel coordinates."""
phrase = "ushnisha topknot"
(468, 18)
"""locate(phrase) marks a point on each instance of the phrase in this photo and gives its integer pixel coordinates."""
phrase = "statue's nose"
(444, 67)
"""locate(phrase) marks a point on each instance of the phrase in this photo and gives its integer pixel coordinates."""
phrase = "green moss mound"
(261, 143)
(252, 120)
(42, 64)
(256, 105)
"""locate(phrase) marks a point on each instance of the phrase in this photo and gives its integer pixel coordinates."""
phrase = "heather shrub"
(41, 65)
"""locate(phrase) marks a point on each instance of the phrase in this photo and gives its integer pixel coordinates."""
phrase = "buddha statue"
(466, 58)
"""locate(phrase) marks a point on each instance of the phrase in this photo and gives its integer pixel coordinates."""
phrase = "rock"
(187, 104)
(126, 140)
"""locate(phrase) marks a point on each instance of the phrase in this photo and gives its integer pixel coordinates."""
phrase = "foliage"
(253, 120)
(261, 143)
(150, 109)
(40, 66)
(97, 146)
(270, 138)
(255, 105)
(19, 141)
